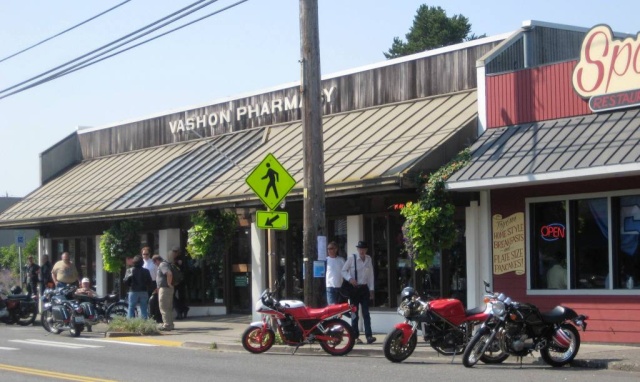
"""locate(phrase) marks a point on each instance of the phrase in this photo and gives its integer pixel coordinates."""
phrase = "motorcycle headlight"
(498, 308)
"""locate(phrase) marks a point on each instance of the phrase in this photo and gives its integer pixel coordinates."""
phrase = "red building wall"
(535, 94)
(611, 318)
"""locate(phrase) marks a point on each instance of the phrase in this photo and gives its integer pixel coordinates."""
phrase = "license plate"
(78, 320)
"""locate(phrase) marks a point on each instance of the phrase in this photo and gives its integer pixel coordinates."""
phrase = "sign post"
(271, 183)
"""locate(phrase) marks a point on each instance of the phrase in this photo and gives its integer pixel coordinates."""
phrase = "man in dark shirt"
(32, 276)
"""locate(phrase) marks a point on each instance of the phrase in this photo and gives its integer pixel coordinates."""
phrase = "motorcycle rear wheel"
(117, 309)
(394, 351)
(343, 340)
(255, 341)
(27, 318)
(556, 356)
(44, 319)
(75, 330)
(473, 352)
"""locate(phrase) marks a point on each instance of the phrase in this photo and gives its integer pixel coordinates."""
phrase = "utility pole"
(313, 150)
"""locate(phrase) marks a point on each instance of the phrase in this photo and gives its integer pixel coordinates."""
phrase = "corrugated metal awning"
(368, 150)
(569, 149)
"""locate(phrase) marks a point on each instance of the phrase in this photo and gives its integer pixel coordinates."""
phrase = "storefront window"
(627, 266)
(548, 245)
(574, 241)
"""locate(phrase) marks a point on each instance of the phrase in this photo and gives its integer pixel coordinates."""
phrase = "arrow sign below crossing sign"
(270, 181)
(272, 220)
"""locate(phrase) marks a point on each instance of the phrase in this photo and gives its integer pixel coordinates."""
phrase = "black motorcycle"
(105, 307)
(521, 328)
(61, 311)
(22, 308)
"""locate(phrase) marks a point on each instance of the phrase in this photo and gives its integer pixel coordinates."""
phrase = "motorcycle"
(105, 307)
(60, 311)
(22, 308)
(297, 325)
(520, 329)
(444, 324)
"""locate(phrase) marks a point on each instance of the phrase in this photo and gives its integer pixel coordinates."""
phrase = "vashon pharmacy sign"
(250, 111)
(608, 72)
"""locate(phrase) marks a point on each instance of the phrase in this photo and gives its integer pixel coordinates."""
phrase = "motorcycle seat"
(474, 311)
(558, 315)
(18, 297)
(329, 310)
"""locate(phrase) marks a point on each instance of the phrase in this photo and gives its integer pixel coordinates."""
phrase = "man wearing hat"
(358, 270)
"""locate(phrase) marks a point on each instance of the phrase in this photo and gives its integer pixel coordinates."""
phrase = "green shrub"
(133, 325)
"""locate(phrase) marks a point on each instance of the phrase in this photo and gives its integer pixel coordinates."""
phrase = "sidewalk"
(223, 333)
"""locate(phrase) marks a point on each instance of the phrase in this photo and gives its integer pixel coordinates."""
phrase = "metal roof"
(568, 149)
(368, 150)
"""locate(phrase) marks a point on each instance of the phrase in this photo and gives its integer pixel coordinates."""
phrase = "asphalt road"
(31, 354)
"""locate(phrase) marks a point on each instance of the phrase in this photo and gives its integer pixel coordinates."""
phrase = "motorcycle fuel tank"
(449, 309)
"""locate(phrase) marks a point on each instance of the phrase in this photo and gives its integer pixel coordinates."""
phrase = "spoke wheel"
(342, 337)
(556, 356)
(256, 341)
(393, 348)
(473, 351)
(44, 319)
(117, 309)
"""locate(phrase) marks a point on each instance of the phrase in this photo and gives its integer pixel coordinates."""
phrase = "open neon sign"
(553, 232)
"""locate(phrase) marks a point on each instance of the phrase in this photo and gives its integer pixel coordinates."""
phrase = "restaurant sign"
(608, 72)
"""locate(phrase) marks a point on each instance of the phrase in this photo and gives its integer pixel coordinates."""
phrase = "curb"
(364, 352)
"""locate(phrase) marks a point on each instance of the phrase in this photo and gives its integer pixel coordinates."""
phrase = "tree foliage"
(120, 241)
(432, 29)
(429, 226)
(9, 262)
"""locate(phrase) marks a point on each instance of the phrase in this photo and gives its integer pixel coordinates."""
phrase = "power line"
(96, 59)
(89, 62)
(65, 31)
(107, 45)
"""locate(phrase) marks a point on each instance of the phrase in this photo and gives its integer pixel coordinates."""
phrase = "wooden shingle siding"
(427, 76)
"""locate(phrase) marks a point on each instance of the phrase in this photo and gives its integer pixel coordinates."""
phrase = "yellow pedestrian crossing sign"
(272, 220)
(270, 181)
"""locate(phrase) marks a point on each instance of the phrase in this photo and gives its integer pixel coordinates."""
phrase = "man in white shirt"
(148, 263)
(334, 273)
(358, 270)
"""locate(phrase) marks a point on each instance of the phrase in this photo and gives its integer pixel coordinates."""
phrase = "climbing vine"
(120, 241)
(211, 234)
(429, 226)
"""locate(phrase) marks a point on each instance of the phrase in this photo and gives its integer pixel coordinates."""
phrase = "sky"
(245, 49)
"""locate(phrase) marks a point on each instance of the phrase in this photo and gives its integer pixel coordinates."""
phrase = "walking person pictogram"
(273, 178)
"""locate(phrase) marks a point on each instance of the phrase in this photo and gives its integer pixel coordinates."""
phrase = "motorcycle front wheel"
(556, 356)
(342, 337)
(117, 309)
(393, 348)
(473, 352)
(493, 354)
(44, 319)
(254, 340)
(27, 318)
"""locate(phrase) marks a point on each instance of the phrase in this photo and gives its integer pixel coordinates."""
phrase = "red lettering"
(599, 65)
(617, 52)
(552, 231)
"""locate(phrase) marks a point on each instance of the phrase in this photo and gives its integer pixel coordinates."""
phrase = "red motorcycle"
(444, 324)
(297, 325)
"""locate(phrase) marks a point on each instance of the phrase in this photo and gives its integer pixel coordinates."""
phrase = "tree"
(432, 29)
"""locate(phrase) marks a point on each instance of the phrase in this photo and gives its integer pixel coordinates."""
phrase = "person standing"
(180, 296)
(45, 274)
(32, 276)
(334, 274)
(148, 263)
(358, 270)
(164, 280)
(64, 272)
(138, 279)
